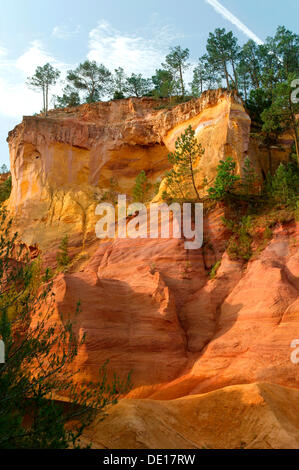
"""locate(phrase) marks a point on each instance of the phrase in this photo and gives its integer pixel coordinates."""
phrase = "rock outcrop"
(149, 306)
(255, 416)
(63, 163)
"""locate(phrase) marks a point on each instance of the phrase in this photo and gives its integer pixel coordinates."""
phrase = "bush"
(283, 187)
(214, 269)
(249, 183)
(62, 257)
(225, 182)
(5, 190)
(239, 245)
(142, 188)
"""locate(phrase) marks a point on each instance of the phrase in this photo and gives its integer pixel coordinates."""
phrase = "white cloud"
(135, 53)
(65, 31)
(234, 20)
(33, 57)
(16, 99)
(3, 51)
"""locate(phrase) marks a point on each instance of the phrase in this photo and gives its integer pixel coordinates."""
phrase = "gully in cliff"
(157, 220)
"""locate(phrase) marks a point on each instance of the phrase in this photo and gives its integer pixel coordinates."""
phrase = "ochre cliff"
(63, 163)
(149, 305)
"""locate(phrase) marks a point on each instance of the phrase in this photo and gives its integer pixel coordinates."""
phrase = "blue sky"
(133, 34)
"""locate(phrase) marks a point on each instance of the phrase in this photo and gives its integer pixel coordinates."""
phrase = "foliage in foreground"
(39, 356)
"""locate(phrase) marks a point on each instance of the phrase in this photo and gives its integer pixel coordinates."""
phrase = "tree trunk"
(236, 77)
(182, 82)
(245, 89)
(44, 100)
(192, 176)
(295, 130)
(226, 75)
(47, 98)
(296, 143)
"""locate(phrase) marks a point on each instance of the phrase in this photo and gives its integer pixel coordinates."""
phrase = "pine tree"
(119, 84)
(225, 182)
(187, 153)
(205, 76)
(176, 63)
(141, 188)
(69, 98)
(43, 79)
(137, 86)
(223, 52)
(164, 83)
(95, 80)
(63, 258)
(282, 115)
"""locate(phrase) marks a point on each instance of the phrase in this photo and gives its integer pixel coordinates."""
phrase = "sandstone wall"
(63, 163)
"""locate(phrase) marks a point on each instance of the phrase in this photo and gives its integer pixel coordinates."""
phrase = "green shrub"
(225, 182)
(5, 189)
(62, 257)
(214, 269)
(112, 194)
(142, 188)
(239, 245)
(249, 183)
(283, 186)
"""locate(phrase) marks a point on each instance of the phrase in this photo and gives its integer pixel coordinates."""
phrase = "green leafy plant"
(142, 188)
(239, 245)
(283, 186)
(62, 257)
(249, 183)
(181, 178)
(70, 97)
(93, 79)
(176, 63)
(43, 79)
(5, 189)
(225, 182)
(214, 269)
(112, 194)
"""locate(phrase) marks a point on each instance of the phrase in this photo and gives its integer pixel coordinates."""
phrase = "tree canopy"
(43, 79)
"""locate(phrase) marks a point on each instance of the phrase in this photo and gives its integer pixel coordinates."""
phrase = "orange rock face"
(149, 305)
(63, 163)
(255, 416)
